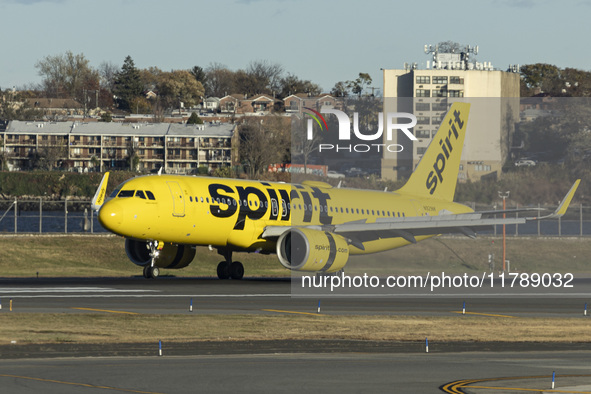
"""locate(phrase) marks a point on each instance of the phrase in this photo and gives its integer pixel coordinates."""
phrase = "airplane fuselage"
(234, 213)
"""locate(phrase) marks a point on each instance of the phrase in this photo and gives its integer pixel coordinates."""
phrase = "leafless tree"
(267, 75)
(50, 153)
(302, 147)
(263, 141)
(67, 75)
(108, 71)
(220, 81)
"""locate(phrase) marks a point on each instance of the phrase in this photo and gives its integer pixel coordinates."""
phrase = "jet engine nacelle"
(170, 256)
(303, 249)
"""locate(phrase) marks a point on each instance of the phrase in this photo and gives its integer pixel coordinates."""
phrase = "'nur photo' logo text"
(345, 131)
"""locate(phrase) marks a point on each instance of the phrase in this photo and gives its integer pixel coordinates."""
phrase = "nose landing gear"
(151, 271)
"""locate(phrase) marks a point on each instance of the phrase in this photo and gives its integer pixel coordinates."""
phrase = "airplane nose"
(111, 215)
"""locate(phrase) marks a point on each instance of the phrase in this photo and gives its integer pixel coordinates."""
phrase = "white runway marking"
(129, 294)
(25, 290)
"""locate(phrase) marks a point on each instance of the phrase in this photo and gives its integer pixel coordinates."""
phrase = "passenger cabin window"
(126, 193)
(150, 195)
(140, 194)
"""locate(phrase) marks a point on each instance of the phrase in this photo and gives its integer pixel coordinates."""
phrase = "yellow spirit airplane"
(310, 226)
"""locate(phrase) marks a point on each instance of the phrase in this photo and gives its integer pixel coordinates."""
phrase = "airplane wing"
(409, 228)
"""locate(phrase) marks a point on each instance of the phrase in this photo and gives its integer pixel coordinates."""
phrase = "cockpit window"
(126, 193)
(150, 195)
(140, 194)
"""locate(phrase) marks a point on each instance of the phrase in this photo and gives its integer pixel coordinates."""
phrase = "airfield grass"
(26, 328)
(104, 256)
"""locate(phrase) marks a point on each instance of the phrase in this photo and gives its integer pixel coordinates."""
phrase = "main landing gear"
(228, 269)
(151, 271)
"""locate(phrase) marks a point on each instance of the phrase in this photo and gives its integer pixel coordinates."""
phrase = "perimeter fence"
(41, 216)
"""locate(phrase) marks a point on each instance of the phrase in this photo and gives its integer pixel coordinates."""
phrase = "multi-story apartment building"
(97, 146)
(428, 93)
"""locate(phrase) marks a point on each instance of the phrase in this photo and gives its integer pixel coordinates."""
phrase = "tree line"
(129, 88)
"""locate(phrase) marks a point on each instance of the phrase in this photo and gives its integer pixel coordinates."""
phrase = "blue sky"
(325, 41)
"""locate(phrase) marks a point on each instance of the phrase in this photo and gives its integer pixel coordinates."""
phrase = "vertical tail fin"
(436, 174)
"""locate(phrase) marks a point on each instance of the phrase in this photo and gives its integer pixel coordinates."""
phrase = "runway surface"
(284, 366)
(173, 295)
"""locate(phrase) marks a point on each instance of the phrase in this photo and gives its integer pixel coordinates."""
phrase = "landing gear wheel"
(154, 272)
(236, 270)
(151, 272)
(224, 270)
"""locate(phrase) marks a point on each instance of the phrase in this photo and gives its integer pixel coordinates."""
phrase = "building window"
(435, 120)
(439, 92)
(456, 80)
(423, 120)
(422, 79)
(440, 106)
(456, 93)
(421, 150)
(423, 93)
(438, 80)
(423, 107)
(482, 167)
(423, 134)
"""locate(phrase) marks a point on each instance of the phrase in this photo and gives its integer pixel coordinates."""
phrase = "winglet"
(99, 196)
(561, 210)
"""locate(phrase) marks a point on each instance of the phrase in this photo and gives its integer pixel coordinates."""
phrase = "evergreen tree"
(194, 119)
(128, 84)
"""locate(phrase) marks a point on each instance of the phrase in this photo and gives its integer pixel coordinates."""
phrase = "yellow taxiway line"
(458, 386)
(483, 314)
(294, 312)
(105, 310)
(78, 384)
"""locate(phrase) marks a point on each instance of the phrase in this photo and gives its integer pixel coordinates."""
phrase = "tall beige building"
(428, 94)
